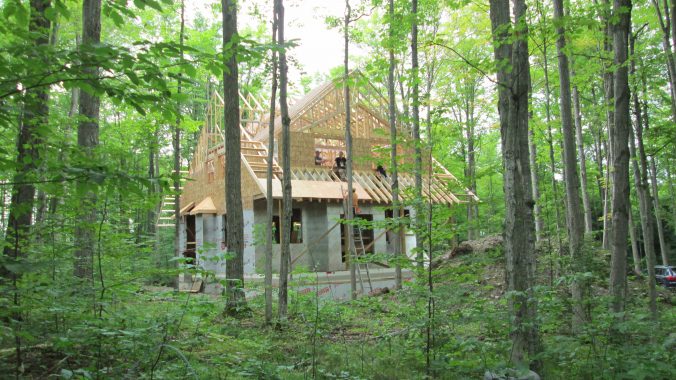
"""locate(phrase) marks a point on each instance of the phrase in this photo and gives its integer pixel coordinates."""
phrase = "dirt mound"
(482, 245)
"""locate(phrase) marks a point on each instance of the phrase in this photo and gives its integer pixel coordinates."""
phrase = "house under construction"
(317, 236)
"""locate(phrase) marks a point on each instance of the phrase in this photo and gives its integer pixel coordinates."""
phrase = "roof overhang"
(205, 207)
(186, 209)
(304, 189)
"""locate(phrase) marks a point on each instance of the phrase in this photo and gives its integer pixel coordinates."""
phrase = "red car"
(665, 275)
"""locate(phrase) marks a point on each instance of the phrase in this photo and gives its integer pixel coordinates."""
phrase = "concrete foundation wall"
(314, 224)
(324, 254)
(209, 252)
(333, 212)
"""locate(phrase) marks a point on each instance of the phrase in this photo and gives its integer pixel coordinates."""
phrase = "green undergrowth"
(145, 332)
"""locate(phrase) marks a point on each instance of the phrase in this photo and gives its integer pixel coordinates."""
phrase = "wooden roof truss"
(210, 145)
(379, 189)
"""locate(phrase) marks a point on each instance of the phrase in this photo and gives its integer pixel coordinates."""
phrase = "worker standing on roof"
(340, 165)
(381, 170)
(319, 160)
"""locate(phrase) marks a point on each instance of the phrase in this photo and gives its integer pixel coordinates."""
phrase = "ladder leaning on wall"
(359, 251)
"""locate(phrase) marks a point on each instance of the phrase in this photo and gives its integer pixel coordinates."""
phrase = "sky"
(319, 48)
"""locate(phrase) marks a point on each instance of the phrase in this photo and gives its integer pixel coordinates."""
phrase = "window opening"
(190, 241)
(296, 227)
(366, 233)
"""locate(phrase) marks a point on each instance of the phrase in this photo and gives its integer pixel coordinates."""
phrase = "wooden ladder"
(166, 216)
(360, 253)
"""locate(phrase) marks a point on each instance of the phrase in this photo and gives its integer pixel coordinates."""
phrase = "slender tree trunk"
(349, 241)
(548, 118)
(286, 168)
(620, 155)
(664, 248)
(268, 179)
(470, 169)
(151, 215)
(574, 215)
(586, 203)
(635, 254)
(672, 195)
(642, 185)
(176, 144)
(598, 155)
(537, 209)
(234, 266)
(394, 175)
(519, 242)
(666, 28)
(644, 212)
(608, 87)
(88, 141)
(415, 108)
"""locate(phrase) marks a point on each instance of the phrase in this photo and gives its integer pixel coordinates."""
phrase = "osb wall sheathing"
(303, 151)
(199, 186)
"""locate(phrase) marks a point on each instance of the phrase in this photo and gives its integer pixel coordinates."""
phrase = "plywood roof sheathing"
(204, 207)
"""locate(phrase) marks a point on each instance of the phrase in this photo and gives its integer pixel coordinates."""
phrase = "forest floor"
(154, 332)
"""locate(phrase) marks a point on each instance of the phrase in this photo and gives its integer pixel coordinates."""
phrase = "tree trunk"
(470, 169)
(268, 179)
(88, 141)
(234, 266)
(574, 216)
(644, 212)
(664, 248)
(586, 203)
(415, 109)
(34, 119)
(608, 90)
(643, 186)
(396, 210)
(349, 213)
(537, 210)
(286, 168)
(151, 216)
(598, 154)
(672, 195)
(635, 254)
(620, 154)
(176, 144)
(666, 28)
(519, 244)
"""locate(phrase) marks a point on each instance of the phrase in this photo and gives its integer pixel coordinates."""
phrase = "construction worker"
(340, 165)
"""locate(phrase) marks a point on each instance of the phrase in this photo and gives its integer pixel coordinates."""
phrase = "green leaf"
(51, 14)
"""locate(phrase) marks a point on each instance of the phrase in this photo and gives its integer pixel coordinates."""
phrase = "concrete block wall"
(315, 225)
(258, 247)
(333, 212)
(380, 246)
(210, 252)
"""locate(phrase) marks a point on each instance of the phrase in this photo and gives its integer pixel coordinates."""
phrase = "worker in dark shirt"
(381, 170)
(319, 160)
(340, 165)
